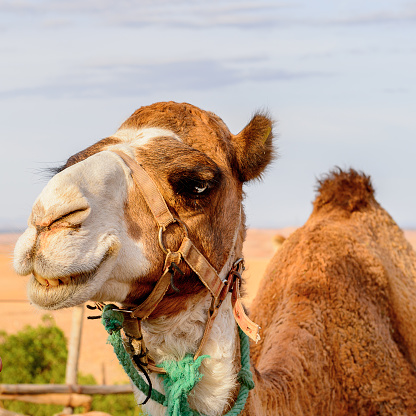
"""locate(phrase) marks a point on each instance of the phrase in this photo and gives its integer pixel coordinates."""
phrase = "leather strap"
(213, 312)
(196, 261)
(251, 329)
(200, 265)
(131, 327)
(150, 192)
(193, 257)
(144, 310)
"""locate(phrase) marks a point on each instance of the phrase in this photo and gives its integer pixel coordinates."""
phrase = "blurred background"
(338, 78)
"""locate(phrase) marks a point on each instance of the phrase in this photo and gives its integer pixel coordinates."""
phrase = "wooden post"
(71, 377)
(104, 380)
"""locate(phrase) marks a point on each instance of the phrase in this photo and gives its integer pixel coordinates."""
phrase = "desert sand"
(96, 356)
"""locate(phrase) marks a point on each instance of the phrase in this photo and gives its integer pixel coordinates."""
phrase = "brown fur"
(338, 311)
(250, 151)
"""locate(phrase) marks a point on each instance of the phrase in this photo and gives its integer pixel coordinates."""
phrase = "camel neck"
(171, 338)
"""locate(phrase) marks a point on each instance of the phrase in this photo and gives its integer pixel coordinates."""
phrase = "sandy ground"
(96, 355)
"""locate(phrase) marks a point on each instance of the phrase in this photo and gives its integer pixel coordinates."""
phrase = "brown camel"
(338, 310)
(337, 303)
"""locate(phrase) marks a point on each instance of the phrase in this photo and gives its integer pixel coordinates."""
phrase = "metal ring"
(162, 229)
(239, 265)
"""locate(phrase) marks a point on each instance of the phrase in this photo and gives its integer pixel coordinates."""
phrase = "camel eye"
(196, 183)
(191, 187)
(194, 187)
(200, 189)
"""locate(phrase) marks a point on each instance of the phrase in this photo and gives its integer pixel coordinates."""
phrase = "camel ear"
(253, 147)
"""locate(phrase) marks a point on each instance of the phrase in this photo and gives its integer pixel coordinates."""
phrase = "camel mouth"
(51, 283)
(66, 291)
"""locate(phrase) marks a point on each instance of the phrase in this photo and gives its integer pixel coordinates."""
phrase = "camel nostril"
(69, 219)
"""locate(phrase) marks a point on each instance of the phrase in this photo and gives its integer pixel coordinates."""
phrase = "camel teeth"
(41, 280)
(65, 280)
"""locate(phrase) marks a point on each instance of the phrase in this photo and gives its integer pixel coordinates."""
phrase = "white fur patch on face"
(139, 137)
(77, 235)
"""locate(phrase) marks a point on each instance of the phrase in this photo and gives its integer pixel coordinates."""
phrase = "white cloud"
(182, 13)
(115, 80)
(209, 14)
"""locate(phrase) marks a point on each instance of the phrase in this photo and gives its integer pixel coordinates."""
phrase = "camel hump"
(347, 190)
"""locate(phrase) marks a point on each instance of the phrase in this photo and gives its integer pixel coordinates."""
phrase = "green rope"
(181, 375)
(180, 380)
(245, 377)
(113, 322)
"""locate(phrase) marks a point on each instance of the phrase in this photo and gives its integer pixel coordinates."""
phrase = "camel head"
(91, 234)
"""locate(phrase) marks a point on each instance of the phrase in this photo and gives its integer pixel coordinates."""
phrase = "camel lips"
(64, 280)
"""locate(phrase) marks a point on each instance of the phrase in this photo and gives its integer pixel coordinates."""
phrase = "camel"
(337, 306)
(151, 218)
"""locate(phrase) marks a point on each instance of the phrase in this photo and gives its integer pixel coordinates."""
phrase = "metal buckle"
(238, 265)
(235, 272)
(162, 229)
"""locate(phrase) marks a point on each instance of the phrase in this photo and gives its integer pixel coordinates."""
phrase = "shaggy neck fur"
(170, 338)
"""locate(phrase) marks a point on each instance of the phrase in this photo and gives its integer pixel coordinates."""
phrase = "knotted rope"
(180, 380)
(181, 375)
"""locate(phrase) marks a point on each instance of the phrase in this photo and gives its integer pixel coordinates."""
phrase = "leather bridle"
(218, 284)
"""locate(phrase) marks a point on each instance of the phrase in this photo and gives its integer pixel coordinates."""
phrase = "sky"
(338, 77)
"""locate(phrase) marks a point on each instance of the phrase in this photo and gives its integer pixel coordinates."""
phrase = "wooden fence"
(69, 395)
